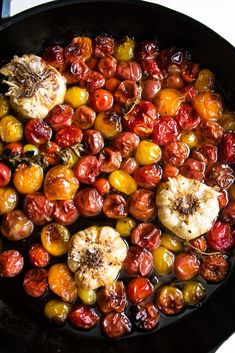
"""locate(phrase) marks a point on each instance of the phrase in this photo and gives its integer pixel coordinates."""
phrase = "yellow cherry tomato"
(190, 138)
(28, 178)
(122, 182)
(8, 199)
(205, 81)
(147, 152)
(57, 311)
(227, 121)
(163, 260)
(85, 44)
(108, 124)
(208, 105)
(125, 226)
(30, 150)
(4, 106)
(11, 129)
(87, 296)
(125, 50)
(168, 101)
(76, 96)
(55, 238)
(171, 242)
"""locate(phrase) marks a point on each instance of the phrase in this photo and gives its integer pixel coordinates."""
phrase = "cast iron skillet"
(22, 327)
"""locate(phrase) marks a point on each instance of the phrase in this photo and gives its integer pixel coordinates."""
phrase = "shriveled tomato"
(186, 266)
(219, 174)
(165, 130)
(169, 171)
(228, 148)
(142, 205)
(189, 92)
(68, 136)
(206, 153)
(187, 118)
(148, 176)
(146, 235)
(129, 70)
(60, 116)
(54, 56)
(146, 49)
(126, 92)
(83, 317)
(214, 268)
(190, 72)
(141, 119)
(109, 160)
(103, 46)
(145, 316)
(108, 66)
(115, 206)
(221, 236)
(115, 325)
(193, 169)
(88, 202)
(37, 132)
(139, 261)
(175, 153)
(228, 213)
(65, 212)
(87, 169)
(112, 298)
(93, 81)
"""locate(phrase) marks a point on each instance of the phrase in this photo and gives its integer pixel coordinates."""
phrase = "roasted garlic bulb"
(34, 86)
(187, 207)
(96, 255)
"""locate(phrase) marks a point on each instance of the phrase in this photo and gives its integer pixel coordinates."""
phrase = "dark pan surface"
(22, 326)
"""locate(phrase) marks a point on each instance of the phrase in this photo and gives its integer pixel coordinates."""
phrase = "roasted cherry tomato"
(84, 117)
(115, 206)
(168, 101)
(83, 317)
(108, 66)
(187, 118)
(139, 289)
(220, 175)
(65, 212)
(194, 293)
(175, 153)
(193, 169)
(228, 148)
(129, 70)
(68, 136)
(5, 175)
(214, 268)
(101, 100)
(93, 141)
(87, 169)
(8, 199)
(112, 298)
(54, 56)
(37, 132)
(228, 213)
(126, 143)
(35, 282)
(88, 202)
(103, 46)
(139, 261)
(28, 179)
(206, 153)
(39, 256)
(146, 235)
(148, 176)
(55, 238)
(102, 186)
(129, 165)
(170, 300)
(145, 316)
(115, 325)
(16, 225)
(109, 160)
(142, 205)
(60, 116)
(108, 124)
(221, 237)
(38, 208)
(165, 130)
(126, 92)
(11, 263)
(56, 311)
(186, 266)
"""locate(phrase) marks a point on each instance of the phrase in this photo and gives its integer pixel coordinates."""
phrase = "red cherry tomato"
(60, 116)
(35, 282)
(219, 174)
(189, 92)
(93, 81)
(206, 153)
(11, 263)
(115, 325)
(68, 136)
(115, 206)
(83, 317)
(101, 100)
(186, 266)
(126, 143)
(102, 186)
(146, 235)
(169, 171)
(145, 316)
(103, 46)
(38, 256)
(228, 148)
(129, 70)
(5, 174)
(214, 268)
(141, 119)
(87, 169)
(146, 49)
(221, 236)
(148, 176)
(175, 153)
(108, 66)
(37, 132)
(54, 56)
(13, 149)
(65, 212)
(228, 213)
(165, 130)
(193, 169)
(126, 92)
(88, 202)
(187, 117)
(139, 261)
(139, 289)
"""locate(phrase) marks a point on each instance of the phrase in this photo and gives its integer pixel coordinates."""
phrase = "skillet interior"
(22, 326)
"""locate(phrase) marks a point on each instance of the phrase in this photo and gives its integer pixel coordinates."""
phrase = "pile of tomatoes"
(133, 116)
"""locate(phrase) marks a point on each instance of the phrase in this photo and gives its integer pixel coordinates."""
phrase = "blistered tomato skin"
(112, 298)
(38, 208)
(11, 263)
(139, 289)
(60, 116)
(8, 199)
(193, 169)
(139, 261)
(169, 171)
(148, 176)
(145, 316)
(146, 235)
(150, 89)
(187, 118)
(142, 205)
(125, 92)
(186, 266)
(83, 317)
(87, 169)
(35, 282)
(220, 175)
(115, 206)
(206, 153)
(126, 143)
(103, 46)
(168, 101)
(141, 119)
(65, 212)
(220, 237)
(228, 148)
(38, 256)
(68, 136)
(28, 179)
(170, 300)
(190, 72)
(175, 153)
(37, 132)
(11, 129)
(93, 141)
(49, 151)
(214, 268)
(5, 175)
(109, 160)
(84, 117)
(16, 225)
(189, 92)
(60, 183)
(75, 71)
(88, 202)
(93, 81)
(129, 71)
(108, 66)
(210, 132)
(54, 56)
(108, 124)
(165, 130)
(115, 325)
(129, 165)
